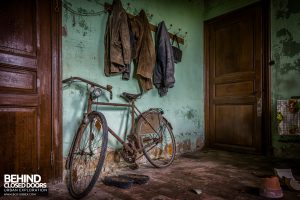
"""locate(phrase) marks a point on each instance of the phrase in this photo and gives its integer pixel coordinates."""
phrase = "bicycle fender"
(168, 123)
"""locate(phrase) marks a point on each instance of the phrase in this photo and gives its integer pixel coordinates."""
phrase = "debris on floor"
(125, 181)
(117, 181)
(287, 178)
(281, 173)
(137, 178)
(197, 191)
(271, 188)
(292, 184)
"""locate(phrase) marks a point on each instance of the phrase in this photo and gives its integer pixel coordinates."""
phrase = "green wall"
(83, 52)
(285, 46)
(285, 51)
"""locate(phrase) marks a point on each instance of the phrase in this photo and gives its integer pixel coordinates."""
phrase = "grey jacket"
(163, 77)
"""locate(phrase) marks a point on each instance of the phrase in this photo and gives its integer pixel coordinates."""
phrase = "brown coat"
(117, 41)
(144, 50)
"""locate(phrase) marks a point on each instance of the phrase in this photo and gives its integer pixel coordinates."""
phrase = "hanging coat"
(143, 50)
(164, 70)
(117, 41)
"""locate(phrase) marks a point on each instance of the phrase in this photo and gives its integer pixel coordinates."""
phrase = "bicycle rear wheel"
(87, 155)
(159, 146)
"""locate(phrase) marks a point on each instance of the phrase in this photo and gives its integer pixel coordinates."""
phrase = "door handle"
(259, 107)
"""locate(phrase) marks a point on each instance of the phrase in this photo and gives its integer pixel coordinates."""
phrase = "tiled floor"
(218, 174)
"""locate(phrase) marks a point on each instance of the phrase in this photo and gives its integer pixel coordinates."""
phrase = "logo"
(24, 185)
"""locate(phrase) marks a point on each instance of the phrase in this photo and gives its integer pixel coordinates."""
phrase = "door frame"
(266, 76)
(56, 156)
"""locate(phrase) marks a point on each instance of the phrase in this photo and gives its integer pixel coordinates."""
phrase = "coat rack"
(108, 8)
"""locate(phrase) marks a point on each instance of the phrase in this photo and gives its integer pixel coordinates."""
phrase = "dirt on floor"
(213, 174)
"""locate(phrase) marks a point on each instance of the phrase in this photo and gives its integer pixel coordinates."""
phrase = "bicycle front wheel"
(87, 155)
(157, 139)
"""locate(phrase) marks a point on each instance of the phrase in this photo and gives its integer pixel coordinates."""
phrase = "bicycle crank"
(127, 155)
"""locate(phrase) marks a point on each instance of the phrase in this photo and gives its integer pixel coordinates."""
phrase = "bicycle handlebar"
(107, 88)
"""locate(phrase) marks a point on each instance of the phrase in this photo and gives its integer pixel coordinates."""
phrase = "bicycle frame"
(134, 110)
(131, 105)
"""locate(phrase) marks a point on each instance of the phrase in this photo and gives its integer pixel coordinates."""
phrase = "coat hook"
(185, 34)
(128, 7)
(178, 31)
(149, 15)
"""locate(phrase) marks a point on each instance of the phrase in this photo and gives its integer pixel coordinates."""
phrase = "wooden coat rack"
(108, 8)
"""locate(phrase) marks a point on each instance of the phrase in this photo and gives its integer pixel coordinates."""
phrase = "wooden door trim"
(266, 76)
(56, 156)
(267, 96)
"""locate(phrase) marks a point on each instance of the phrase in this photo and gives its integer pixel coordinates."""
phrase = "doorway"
(236, 78)
(30, 99)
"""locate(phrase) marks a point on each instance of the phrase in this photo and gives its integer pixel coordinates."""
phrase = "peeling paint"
(286, 8)
(83, 24)
(190, 114)
(184, 146)
(289, 46)
(64, 31)
(199, 143)
(286, 71)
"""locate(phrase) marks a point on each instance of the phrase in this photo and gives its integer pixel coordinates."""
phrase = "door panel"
(19, 81)
(242, 88)
(19, 128)
(19, 20)
(236, 36)
(234, 64)
(26, 78)
(241, 115)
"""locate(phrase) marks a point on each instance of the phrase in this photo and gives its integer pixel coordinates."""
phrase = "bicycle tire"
(80, 156)
(144, 129)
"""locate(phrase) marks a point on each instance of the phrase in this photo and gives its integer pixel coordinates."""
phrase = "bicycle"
(151, 135)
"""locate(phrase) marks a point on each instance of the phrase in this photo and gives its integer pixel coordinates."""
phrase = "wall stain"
(80, 45)
(289, 46)
(184, 146)
(64, 31)
(83, 24)
(190, 114)
(73, 21)
(199, 143)
(286, 8)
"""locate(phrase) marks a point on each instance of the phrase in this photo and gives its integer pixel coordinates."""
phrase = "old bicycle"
(151, 135)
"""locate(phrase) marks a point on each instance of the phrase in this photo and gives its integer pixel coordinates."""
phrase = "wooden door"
(234, 59)
(29, 57)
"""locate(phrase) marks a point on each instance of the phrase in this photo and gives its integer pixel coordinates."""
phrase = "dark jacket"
(117, 41)
(143, 50)
(164, 70)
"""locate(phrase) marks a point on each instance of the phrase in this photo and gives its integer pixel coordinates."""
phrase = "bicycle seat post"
(132, 116)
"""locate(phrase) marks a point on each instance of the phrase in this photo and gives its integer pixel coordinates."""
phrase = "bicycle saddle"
(130, 97)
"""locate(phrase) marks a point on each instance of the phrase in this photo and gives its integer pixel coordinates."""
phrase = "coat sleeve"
(125, 39)
(169, 79)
